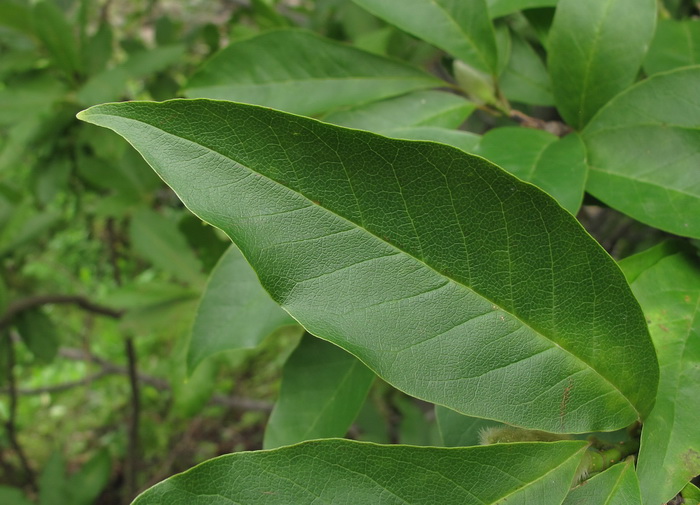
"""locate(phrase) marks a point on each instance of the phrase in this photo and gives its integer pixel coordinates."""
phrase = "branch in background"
(555, 127)
(11, 423)
(32, 302)
(108, 368)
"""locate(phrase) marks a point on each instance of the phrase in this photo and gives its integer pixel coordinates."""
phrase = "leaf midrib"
(612, 385)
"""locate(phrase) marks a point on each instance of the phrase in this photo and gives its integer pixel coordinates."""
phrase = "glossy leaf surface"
(460, 27)
(558, 166)
(323, 389)
(676, 44)
(343, 472)
(618, 485)
(301, 72)
(595, 51)
(644, 152)
(421, 108)
(447, 276)
(669, 292)
(235, 311)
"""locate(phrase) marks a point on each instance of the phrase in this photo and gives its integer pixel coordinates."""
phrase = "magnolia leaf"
(644, 152)
(617, 485)
(676, 44)
(525, 78)
(462, 28)
(341, 472)
(595, 51)
(235, 311)
(301, 72)
(669, 292)
(450, 278)
(323, 389)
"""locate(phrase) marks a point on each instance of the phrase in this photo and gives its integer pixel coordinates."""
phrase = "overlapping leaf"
(595, 51)
(669, 292)
(341, 472)
(676, 44)
(617, 485)
(644, 152)
(323, 389)
(301, 72)
(498, 8)
(447, 276)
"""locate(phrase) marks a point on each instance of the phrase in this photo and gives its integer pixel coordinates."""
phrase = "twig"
(11, 423)
(32, 302)
(555, 127)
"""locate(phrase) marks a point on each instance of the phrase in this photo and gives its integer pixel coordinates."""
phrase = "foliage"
(425, 189)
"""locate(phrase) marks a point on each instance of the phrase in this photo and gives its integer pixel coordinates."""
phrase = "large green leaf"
(595, 50)
(235, 311)
(525, 78)
(304, 73)
(498, 8)
(323, 389)
(460, 27)
(644, 152)
(669, 292)
(617, 485)
(420, 108)
(558, 166)
(676, 44)
(447, 276)
(342, 472)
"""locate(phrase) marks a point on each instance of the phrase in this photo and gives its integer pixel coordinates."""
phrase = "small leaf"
(301, 72)
(38, 333)
(676, 44)
(460, 27)
(558, 166)
(458, 430)
(53, 487)
(525, 78)
(235, 312)
(420, 108)
(323, 389)
(644, 152)
(633, 266)
(87, 483)
(669, 292)
(344, 472)
(447, 276)
(691, 494)
(618, 485)
(595, 51)
(466, 141)
(499, 8)
(157, 239)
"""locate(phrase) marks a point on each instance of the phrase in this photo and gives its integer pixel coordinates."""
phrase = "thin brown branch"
(11, 422)
(32, 302)
(555, 127)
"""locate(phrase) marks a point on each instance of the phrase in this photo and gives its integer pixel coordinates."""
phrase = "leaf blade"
(373, 245)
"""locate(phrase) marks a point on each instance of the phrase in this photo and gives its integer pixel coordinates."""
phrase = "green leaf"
(498, 8)
(56, 33)
(460, 27)
(525, 78)
(420, 108)
(13, 495)
(447, 276)
(16, 15)
(235, 311)
(87, 483)
(633, 266)
(669, 292)
(346, 472)
(301, 72)
(4, 295)
(691, 494)
(34, 97)
(53, 488)
(466, 141)
(676, 44)
(458, 430)
(595, 51)
(111, 84)
(558, 166)
(618, 485)
(416, 424)
(158, 239)
(323, 389)
(38, 333)
(644, 152)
